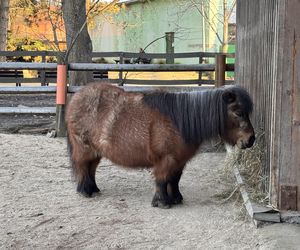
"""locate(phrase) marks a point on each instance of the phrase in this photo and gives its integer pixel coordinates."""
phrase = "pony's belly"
(129, 161)
(126, 156)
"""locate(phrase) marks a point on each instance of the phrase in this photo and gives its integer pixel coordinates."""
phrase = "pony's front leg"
(164, 172)
(161, 198)
(173, 188)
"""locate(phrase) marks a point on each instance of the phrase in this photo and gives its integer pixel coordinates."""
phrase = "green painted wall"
(140, 23)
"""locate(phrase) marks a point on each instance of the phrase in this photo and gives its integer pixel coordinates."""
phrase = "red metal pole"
(61, 96)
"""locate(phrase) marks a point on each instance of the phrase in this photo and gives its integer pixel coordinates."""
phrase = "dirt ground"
(27, 123)
(39, 208)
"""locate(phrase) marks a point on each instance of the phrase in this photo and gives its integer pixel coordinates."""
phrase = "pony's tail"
(69, 146)
(70, 153)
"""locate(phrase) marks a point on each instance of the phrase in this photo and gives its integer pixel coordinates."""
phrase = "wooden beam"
(168, 82)
(27, 110)
(141, 67)
(27, 90)
(256, 212)
(120, 67)
(117, 54)
(33, 66)
(220, 70)
(73, 89)
(288, 197)
(287, 113)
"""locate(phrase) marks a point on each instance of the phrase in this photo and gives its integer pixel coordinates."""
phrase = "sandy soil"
(39, 208)
(27, 123)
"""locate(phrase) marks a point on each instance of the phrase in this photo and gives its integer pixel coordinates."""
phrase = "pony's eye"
(239, 114)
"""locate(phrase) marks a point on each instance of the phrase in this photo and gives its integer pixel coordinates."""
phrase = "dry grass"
(250, 164)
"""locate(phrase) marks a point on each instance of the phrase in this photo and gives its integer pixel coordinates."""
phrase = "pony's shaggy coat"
(159, 130)
(198, 116)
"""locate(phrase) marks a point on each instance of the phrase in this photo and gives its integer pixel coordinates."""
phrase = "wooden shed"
(268, 65)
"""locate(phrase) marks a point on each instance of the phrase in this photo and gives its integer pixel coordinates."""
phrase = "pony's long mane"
(199, 116)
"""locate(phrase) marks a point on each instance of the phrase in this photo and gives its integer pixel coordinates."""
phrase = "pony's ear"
(229, 97)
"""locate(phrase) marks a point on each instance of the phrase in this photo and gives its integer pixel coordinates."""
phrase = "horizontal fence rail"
(28, 90)
(111, 67)
(27, 110)
(32, 66)
(142, 67)
(117, 54)
(48, 74)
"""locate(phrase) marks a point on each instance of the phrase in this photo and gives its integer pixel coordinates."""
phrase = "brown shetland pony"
(156, 130)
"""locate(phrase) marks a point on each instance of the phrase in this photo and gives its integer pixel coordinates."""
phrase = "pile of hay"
(250, 163)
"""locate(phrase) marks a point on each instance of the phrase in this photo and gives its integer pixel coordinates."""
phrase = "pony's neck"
(199, 116)
(206, 116)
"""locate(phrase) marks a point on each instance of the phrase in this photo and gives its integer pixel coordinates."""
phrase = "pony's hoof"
(89, 194)
(157, 202)
(177, 200)
(87, 190)
(160, 204)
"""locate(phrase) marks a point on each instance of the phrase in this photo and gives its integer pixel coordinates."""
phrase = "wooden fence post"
(220, 70)
(200, 72)
(43, 72)
(61, 96)
(121, 72)
(170, 47)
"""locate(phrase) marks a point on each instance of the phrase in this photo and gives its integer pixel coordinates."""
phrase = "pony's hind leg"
(86, 176)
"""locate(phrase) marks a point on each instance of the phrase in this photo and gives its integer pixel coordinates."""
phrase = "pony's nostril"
(251, 141)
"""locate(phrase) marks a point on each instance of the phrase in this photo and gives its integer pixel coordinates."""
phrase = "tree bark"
(74, 15)
(4, 6)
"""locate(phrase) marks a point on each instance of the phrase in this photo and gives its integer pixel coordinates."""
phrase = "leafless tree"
(213, 21)
(4, 7)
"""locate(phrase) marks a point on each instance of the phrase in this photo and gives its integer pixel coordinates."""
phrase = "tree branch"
(207, 20)
(54, 28)
(231, 10)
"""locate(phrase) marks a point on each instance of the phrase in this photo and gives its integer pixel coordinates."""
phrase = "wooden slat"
(167, 82)
(289, 92)
(27, 90)
(288, 197)
(28, 53)
(115, 54)
(27, 110)
(141, 67)
(33, 66)
(26, 80)
(256, 212)
(114, 67)
(73, 89)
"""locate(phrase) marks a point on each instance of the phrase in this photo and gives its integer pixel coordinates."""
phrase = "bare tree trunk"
(4, 5)
(74, 14)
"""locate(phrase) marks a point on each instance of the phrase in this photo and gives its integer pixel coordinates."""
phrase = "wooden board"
(27, 110)
(267, 64)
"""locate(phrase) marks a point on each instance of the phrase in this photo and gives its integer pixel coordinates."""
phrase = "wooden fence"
(46, 76)
(267, 62)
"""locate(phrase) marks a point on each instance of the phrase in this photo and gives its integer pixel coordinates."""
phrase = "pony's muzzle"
(250, 142)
